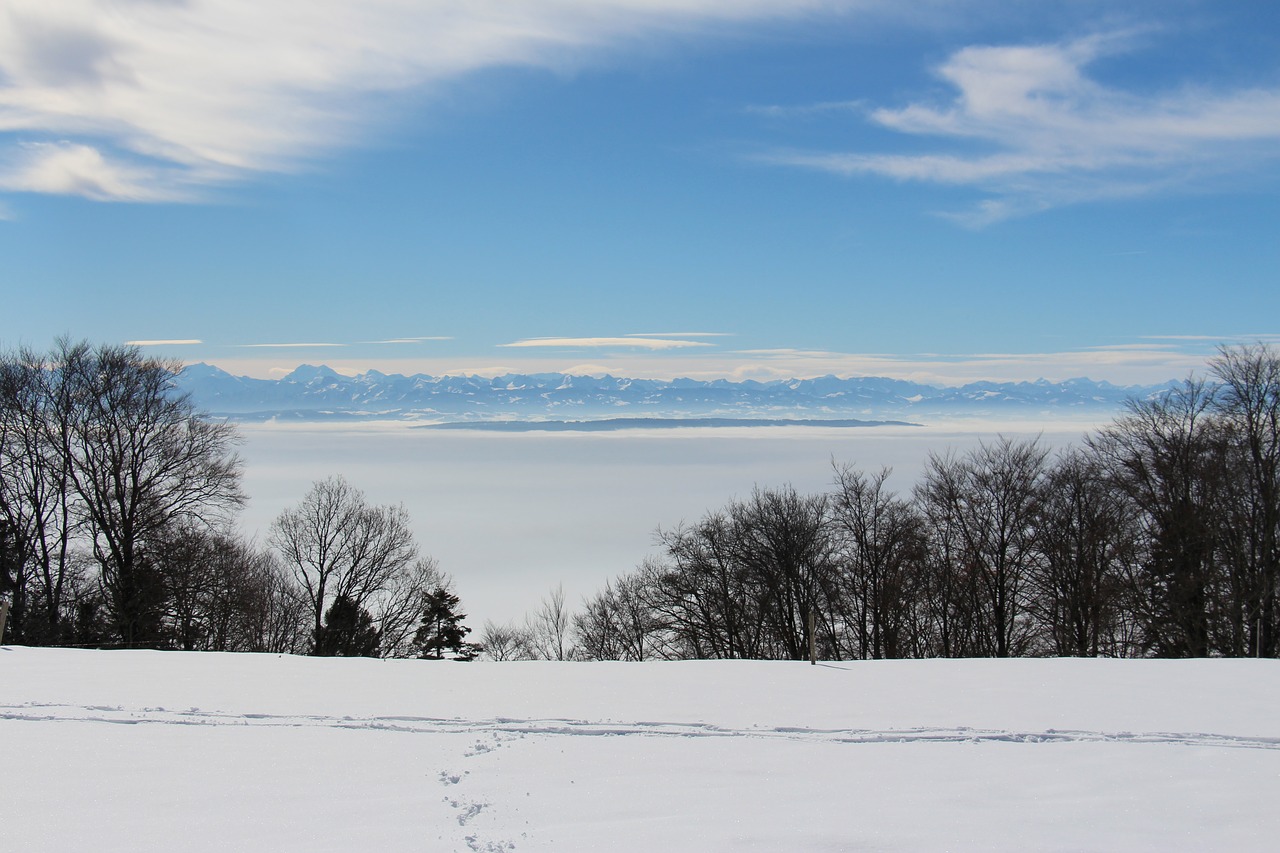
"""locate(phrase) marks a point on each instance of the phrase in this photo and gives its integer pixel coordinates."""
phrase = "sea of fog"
(510, 516)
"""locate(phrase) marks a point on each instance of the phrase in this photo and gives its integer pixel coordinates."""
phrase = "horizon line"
(491, 375)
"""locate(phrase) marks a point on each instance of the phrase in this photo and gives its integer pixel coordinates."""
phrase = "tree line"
(118, 501)
(1156, 537)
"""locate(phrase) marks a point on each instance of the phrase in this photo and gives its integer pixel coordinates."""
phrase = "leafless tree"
(983, 508)
(505, 642)
(336, 544)
(549, 628)
(37, 519)
(142, 460)
(950, 578)
(782, 539)
(1165, 456)
(398, 610)
(1248, 400)
(620, 622)
(880, 559)
(741, 582)
(703, 594)
(1087, 535)
(221, 591)
(278, 619)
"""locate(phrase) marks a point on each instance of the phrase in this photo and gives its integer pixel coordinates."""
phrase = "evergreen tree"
(348, 631)
(442, 629)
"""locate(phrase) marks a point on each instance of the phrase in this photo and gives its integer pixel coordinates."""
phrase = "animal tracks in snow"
(493, 732)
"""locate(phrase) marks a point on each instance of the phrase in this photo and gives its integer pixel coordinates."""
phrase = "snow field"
(115, 751)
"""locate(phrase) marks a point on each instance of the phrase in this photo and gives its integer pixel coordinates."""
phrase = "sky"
(939, 191)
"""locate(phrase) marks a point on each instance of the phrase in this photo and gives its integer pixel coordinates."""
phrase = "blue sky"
(937, 191)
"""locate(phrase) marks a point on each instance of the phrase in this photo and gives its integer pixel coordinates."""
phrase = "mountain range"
(320, 393)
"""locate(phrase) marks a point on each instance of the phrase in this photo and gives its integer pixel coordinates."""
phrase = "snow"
(115, 751)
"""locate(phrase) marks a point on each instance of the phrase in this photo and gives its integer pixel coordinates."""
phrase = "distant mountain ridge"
(320, 393)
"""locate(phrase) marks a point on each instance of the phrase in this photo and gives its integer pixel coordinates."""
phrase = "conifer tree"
(348, 631)
(442, 629)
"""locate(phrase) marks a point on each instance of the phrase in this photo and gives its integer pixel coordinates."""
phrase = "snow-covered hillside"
(116, 751)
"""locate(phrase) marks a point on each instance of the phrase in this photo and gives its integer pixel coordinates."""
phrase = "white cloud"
(623, 342)
(1052, 135)
(1261, 337)
(150, 100)
(68, 168)
(1122, 364)
(587, 369)
(417, 340)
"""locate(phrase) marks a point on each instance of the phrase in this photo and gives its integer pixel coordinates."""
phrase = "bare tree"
(505, 642)
(549, 627)
(703, 594)
(1164, 455)
(881, 549)
(188, 560)
(1087, 535)
(278, 618)
(142, 460)
(743, 581)
(399, 609)
(1248, 400)
(599, 627)
(218, 586)
(950, 577)
(620, 622)
(37, 519)
(984, 506)
(336, 544)
(783, 540)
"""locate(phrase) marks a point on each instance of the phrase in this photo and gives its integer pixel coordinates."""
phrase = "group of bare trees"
(547, 633)
(364, 586)
(1157, 537)
(117, 509)
(103, 469)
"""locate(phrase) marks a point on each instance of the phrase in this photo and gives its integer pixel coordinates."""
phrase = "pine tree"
(442, 629)
(348, 631)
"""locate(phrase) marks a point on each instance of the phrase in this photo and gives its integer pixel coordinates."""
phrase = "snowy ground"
(116, 751)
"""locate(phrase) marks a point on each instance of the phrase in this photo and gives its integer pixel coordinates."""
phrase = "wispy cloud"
(1048, 134)
(1263, 337)
(72, 168)
(176, 342)
(1142, 347)
(1122, 363)
(418, 340)
(630, 342)
(680, 335)
(135, 100)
